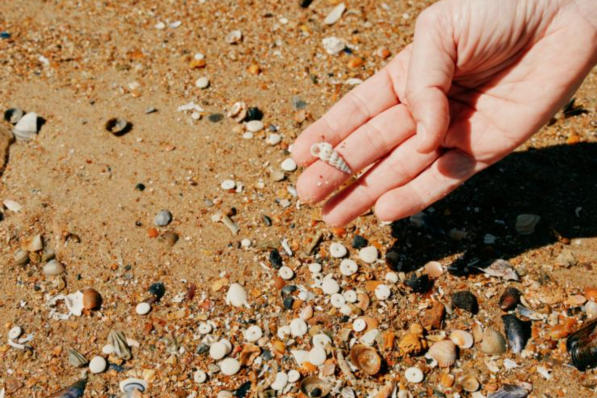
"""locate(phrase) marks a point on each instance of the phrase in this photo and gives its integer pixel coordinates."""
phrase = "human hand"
(479, 79)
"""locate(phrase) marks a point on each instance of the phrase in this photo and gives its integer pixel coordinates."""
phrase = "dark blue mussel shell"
(74, 391)
(582, 346)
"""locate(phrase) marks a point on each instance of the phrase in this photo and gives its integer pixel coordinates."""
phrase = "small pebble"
(359, 325)
(383, 292)
(229, 366)
(108, 349)
(215, 117)
(274, 139)
(254, 126)
(205, 328)
(280, 381)
(330, 286)
(15, 333)
(317, 355)
(369, 254)
(293, 376)
(253, 333)
(228, 185)
(298, 327)
(218, 350)
(97, 365)
(315, 268)
(348, 267)
(337, 300)
(358, 242)
(143, 308)
(200, 377)
(392, 277)
(286, 273)
(288, 165)
(350, 296)
(337, 250)
(202, 82)
(163, 218)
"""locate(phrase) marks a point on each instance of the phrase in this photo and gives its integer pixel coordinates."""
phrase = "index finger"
(375, 95)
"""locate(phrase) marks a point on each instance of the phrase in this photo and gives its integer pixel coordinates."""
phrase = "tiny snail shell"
(327, 154)
(238, 112)
(444, 352)
(313, 387)
(234, 37)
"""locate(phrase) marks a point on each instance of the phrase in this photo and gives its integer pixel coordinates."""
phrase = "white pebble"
(337, 300)
(227, 344)
(253, 333)
(286, 273)
(348, 267)
(237, 296)
(15, 333)
(108, 349)
(97, 365)
(229, 366)
(392, 277)
(218, 350)
(298, 327)
(333, 45)
(322, 340)
(369, 254)
(274, 139)
(228, 185)
(284, 332)
(280, 381)
(335, 15)
(346, 310)
(413, 375)
(246, 243)
(205, 328)
(248, 135)
(143, 308)
(383, 292)
(254, 126)
(315, 268)
(288, 165)
(337, 250)
(359, 325)
(317, 355)
(350, 296)
(591, 309)
(200, 377)
(202, 82)
(199, 56)
(330, 286)
(293, 376)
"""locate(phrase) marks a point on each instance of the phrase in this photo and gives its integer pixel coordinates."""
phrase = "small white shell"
(383, 292)
(591, 309)
(414, 375)
(337, 250)
(15, 333)
(26, 128)
(238, 112)
(330, 286)
(359, 325)
(228, 185)
(335, 15)
(253, 333)
(200, 377)
(205, 328)
(280, 381)
(74, 303)
(293, 376)
(143, 308)
(237, 296)
(288, 165)
(298, 327)
(317, 355)
(132, 385)
(53, 268)
(327, 154)
(369, 254)
(315, 268)
(392, 277)
(229, 366)
(97, 365)
(322, 340)
(218, 350)
(202, 82)
(350, 296)
(348, 267)
(286, 273)
(234, 37)
(337, 300)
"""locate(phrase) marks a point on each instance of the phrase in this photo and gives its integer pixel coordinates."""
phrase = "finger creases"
(365, 146)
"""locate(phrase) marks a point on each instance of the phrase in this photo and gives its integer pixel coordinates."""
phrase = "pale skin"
(480, 78)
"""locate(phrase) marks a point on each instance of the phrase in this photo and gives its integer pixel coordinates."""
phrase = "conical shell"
(327, 154)
(26, 128)
(462, 339)
(444, 352)
(365, 358)
(494, 343)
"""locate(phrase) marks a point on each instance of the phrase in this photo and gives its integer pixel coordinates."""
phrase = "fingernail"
(421, 134)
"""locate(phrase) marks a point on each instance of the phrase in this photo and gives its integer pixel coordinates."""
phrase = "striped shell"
(444, 352)
(462, 339)
(494, 343)
(326, 153)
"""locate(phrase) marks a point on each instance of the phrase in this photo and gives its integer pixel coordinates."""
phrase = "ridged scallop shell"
(526, 223)
(26, 128)
(444, 352)
(494, 343)
(121, 347)
(326, 153)
(74, 391)
(313, 386)
(365, 358)
(462, 339)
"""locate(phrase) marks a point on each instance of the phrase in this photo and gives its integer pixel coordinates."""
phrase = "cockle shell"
(444, 352)
(121, 347)
(493, 342)
(26, 128)
(526, 223)
(315, 387)
(326, 153)
(365, 358)
(92, 300)
(462, 339)
(74, 391)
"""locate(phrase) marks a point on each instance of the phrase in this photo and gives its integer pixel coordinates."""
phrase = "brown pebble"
(197, 64)
(92, 300)
(254, 69)
(434, 316)
(355, 62)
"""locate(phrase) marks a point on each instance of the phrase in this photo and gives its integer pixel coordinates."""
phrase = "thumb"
(430, 74)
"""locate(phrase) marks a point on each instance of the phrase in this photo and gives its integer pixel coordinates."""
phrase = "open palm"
(480, 78)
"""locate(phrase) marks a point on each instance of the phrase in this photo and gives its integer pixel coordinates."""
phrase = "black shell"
(466, 301)
(582, 346)
(74, 391)
(358, 242)
(157, 289)
(510, 299)
(517, 331)
(275, 259)
(419, 284)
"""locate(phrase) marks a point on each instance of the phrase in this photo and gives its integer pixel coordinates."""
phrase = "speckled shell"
(326, 153)
(444, 352)
(494, 343)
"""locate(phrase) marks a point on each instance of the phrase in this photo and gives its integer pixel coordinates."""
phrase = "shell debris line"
(155, 240)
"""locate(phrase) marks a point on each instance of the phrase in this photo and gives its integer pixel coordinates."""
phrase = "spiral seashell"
(26, 128)
(462, 339)
(74, 391)
(326, 153)
(493, 342)
(526, 223)
(444, 352)
(132, 385)
(313, 386)
(365, 358)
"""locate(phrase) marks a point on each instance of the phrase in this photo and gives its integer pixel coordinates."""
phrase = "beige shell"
(444, 352)
(434, 269)
(469, 383)
(365, 358)
(493, 343)
(92, 300)
(526, 223)
(327, 154)
(121, 346)
(477, 330)
(238, 112)
(462, 339)
(21, 257)
(313, 382)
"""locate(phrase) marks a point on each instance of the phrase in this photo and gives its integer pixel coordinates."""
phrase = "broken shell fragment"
(512, 391)
(234, 37)
(121, 346)
(526, 223)
(444, 352)
(365, 358)
(118, 126)
(21, 257)
(327, 154)
(74, 391)
(493, 342)
(74, 303)
(236, 296)
(501, 269)
(132, 385)
(518, 332)
(314, 387)
(462, 339)
(33, 244)
(13, 115)
(77, 359)
(414, 375)
(469, 383)
(238, 112)
(27, 127)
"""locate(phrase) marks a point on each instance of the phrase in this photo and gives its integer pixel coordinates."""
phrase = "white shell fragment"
(383, 292)
(97, 365)
(286, 273)
(229, 366)
(327, 154)
(200, 377)
(330, 286)
(337, 250)
(205, 328)
(288, 165)
(413, 375)
(74, 303)
(298, 327)
(335, 15)
(12, 205)
(228, 185)
(293, 376)
(280, 381)
(317, 355)
(333, 45)
(359, 325)
(369, 254)
(234, 37)
(202, 82)
(143, 308)
(237, 296)
(26, 128)
(53, 268)
(348, 267)
(15, 333)
(218, 350)
(337, 300)
(253, 333)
